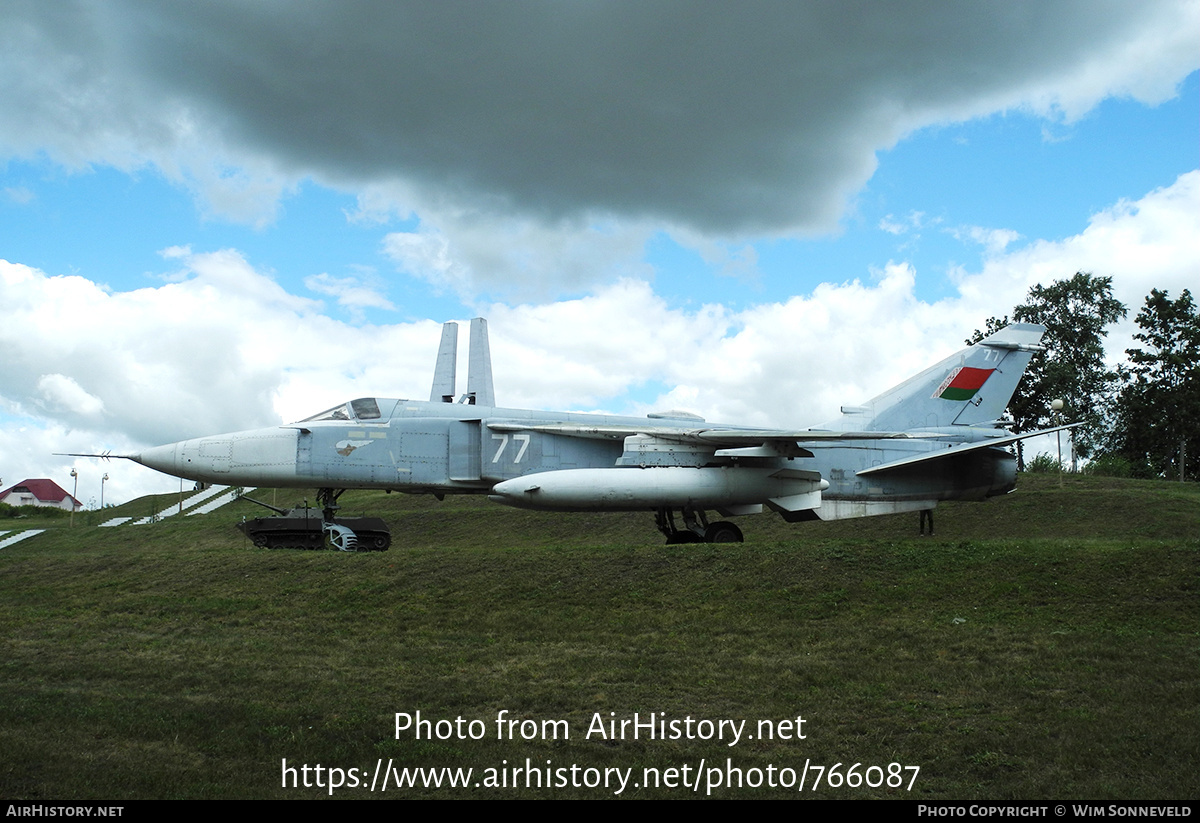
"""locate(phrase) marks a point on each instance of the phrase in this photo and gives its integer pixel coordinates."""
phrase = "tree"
(1159, 406)
(1076, 313)
(993, 325)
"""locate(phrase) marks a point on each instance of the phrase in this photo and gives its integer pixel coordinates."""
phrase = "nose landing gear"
(696, 528)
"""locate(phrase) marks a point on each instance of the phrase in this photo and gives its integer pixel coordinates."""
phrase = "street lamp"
(1056, 406)
(103, 480)
(74, 495)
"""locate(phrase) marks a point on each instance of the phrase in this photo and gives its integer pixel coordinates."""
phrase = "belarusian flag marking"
(963, 383)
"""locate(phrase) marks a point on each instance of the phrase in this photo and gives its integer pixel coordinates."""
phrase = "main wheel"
(723, 532)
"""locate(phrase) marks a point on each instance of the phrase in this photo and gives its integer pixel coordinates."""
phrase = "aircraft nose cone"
(159, 458)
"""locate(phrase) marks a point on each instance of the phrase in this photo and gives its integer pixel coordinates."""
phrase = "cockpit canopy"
(364, 408)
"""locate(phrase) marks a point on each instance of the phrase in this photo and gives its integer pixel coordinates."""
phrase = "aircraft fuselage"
(935, 436)
(443, 448)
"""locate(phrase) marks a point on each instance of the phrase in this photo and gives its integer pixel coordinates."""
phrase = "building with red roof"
(40, 492)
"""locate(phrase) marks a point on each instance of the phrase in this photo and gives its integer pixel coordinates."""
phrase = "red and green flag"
(963, 383)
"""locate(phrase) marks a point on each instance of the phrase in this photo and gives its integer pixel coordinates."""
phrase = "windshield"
(365, 408)
(336, 413)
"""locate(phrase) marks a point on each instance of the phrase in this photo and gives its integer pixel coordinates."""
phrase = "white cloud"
(426, 255)
(912, 223)
(1144, 244)
(19, 195)
(350, 292)
(517, 257)
(994, 241)
(62, 394)
(725, 258)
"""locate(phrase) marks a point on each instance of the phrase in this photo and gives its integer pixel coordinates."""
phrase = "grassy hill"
(1040, 646)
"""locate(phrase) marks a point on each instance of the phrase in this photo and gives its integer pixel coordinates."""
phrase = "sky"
(221, 216)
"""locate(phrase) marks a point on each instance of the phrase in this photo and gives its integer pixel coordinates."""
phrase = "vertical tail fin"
(444, 372)
(969, 388)
(479, 366)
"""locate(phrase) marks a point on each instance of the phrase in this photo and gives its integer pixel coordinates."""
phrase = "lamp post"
(103, 480)
(74, 495)
(1056, 406)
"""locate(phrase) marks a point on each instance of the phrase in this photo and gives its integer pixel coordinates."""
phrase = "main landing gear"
(696, 528)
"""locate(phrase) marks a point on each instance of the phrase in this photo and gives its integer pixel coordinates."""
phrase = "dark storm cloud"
(724, 117)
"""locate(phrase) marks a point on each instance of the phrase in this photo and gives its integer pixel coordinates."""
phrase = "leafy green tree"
(993, 325)
(1158, 420)
(1076, 313)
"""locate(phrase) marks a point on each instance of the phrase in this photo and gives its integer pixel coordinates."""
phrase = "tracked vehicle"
(305, 527)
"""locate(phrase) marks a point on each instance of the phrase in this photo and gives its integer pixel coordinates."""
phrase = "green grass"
(1045, 645)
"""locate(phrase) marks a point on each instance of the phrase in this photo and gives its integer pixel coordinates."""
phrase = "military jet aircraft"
(936, 436)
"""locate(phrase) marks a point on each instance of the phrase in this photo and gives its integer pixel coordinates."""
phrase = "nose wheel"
(340, 538)
(352, 534)
(696, 528)
(336, 536)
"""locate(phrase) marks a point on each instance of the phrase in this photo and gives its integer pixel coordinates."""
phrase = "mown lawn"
(1045, 645)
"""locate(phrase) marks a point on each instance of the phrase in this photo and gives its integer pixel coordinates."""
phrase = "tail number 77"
(523, 439)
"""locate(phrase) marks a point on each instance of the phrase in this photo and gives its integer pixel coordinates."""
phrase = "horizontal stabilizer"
(954, 451)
